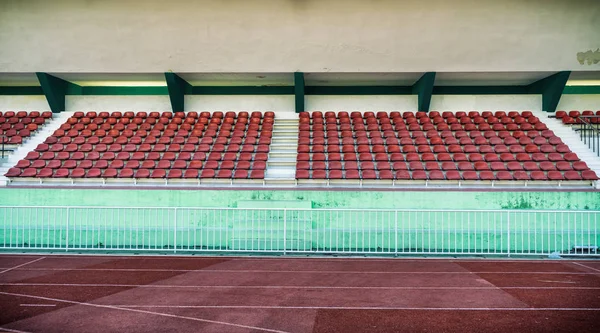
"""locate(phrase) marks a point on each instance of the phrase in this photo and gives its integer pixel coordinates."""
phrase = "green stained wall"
(299, 228)
(285, 198)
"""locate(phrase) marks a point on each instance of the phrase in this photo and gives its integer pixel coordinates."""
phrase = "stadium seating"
(15, 127)
(573, 117)
(153, 145)
(461, 146)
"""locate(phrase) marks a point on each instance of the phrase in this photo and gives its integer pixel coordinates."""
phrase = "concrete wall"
(285, 103)
(579, 102)
(277, 103)
(25, 103)
(121, 103)
(319, 199)
(486, 102)
(362, 103)
(290, 35)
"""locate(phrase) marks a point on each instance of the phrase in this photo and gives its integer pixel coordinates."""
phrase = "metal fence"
(589, 132)
(300, 231)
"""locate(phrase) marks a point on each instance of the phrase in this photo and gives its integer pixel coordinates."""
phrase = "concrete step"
(280, 155)
(573, 140)
(285, 133)
(37, 138)
(281, 165)
(285, 140)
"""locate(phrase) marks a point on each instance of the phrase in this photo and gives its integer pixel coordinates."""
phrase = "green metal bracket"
(424, 88)
(299, 91)
(551, 88)
(177, 87)
(55, 89)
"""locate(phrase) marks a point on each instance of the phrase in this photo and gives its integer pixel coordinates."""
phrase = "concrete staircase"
(37, 138)
(572, 139)
(281, 165)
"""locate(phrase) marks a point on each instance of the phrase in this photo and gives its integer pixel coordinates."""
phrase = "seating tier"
(432, 146)
(153, 145)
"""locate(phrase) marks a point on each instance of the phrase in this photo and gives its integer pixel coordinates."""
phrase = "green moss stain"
(319, 199)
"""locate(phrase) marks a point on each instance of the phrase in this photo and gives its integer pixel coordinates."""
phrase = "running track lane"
(229, 294)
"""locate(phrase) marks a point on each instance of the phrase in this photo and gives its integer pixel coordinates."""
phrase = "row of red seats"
(410, 114)
(158, 147)
(168, 114)
(439, 149)
(554, 157)
(139, 156)
(423, 141)
(498, 127)
(440, 123)
(417, 165)
(452, 175)
(138, 173)
(151, 140)
(136, 164)
(236, 128)
(15, 127)
(573, 116)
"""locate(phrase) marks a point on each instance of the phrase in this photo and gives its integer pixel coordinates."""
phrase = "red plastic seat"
(538, 175)
(470, 175)
(453, 175)
(487, 175)
(300, 174)
(521, 175)
(13, 172)
(555, 175)
(589, 175)
(78, 173)
(158, 173)
(190, 173)
(257, 174)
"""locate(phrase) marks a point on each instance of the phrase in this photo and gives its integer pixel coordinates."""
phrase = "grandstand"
(308, 145)
(390, 130)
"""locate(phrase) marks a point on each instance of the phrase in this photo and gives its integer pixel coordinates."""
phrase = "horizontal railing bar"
(312, 210)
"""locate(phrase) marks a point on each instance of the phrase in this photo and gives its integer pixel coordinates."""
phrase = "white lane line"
(275, 307)
(277, 258)
(27, 263)
(588, 267)
(35, 305)
(145, 312)
(288, 271)
(4, 329)
(166, 286)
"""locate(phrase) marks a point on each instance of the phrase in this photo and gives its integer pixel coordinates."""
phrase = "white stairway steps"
(32, 142)
(281, 164)
(572, 139)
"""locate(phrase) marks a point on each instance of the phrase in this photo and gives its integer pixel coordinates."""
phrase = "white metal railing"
(319, 231)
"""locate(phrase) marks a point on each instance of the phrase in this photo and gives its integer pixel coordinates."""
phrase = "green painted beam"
(55, 89)
(581, 90)
(177, 88)
(22, 90)
(424, 88)
(299, 91)
(551, 89)
(242, 90)
(358, 90)
(480, 90)
(122, 91)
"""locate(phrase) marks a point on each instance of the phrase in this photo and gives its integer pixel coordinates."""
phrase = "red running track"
(232, 294)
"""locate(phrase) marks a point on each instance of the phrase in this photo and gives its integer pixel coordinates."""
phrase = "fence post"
(67, 236)
(175, 232)
(396, 232)
(508, 228)
(284, 231)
